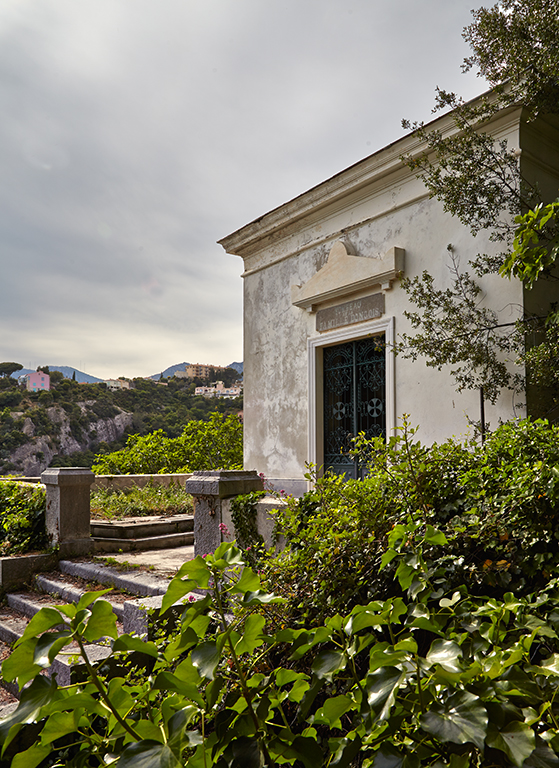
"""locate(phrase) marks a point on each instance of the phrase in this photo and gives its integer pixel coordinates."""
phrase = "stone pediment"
(345, 274)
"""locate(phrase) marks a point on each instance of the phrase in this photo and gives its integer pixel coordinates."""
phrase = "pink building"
(36, 381)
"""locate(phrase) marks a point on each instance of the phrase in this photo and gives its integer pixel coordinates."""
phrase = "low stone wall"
(122, 482)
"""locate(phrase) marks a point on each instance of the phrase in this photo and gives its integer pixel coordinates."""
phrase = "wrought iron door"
(354, 399)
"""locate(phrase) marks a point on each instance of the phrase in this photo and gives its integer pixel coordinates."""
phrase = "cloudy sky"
(136, 133)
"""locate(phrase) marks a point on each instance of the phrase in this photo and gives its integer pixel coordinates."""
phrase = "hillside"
(70, 424)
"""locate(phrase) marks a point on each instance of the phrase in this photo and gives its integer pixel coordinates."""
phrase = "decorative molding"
(314, 353)
(345, 274)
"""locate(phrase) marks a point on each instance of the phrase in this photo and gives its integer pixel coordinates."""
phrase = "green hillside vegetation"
(155, 405)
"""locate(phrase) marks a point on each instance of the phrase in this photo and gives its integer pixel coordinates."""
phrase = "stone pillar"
(68, 509)
(210, 489)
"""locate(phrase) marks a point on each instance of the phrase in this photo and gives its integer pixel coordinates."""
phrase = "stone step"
(140, 528)
(137, 610)
(106, 544)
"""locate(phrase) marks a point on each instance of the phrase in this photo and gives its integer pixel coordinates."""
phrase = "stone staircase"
(136, 599)
(141, 533)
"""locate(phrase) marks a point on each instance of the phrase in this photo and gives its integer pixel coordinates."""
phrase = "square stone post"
(209, 489)
(68, 509)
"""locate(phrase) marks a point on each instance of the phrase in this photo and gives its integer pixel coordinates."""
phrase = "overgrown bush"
(213, 444)
(150, 500)
(498, 506)
(434, 678)
(22, 518)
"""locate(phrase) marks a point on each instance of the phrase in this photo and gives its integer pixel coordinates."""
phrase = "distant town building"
(198, 371)
(115, 384)
(38, 381)
(218, 390)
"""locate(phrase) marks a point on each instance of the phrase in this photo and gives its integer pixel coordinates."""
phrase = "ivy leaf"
(42, 691)
(206, 658)
(251, 637)
(261, 598)
(20, 664)
(247, 753)
(32, 757)
(382, 684)
(332, 710)
(461, 719)
(248, 582)
(42, 621)
(176, 590)
(388, 757)
(433, 536)
(133, 643)
(517, 740)
(101, 623)
(48, 646)
(197, 570)
(445, 653)
(147, 754)
(327, 663)
(58, 724)
(89, 597)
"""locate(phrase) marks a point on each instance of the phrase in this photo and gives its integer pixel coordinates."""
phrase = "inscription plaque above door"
(345, 274)
(356, 311)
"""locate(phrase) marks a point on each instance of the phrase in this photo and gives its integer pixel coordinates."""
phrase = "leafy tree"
(6, 369)
(515, 45)
(213, 444)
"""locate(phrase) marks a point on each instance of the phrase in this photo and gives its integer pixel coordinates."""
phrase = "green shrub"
(432, 678)
(22, 518)
(498, 506)
(213, 444)
(150, 500)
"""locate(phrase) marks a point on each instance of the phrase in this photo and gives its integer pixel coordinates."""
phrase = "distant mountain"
(169, 371)
(81, 377)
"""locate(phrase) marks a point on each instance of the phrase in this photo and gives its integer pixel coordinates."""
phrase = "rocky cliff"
(56, 430)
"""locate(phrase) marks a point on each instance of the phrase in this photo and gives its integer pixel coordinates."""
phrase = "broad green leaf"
(387, 756)
(58, 724)
(228, 552)
(42, 691)
(134, 643)
(32, 757)
(332, 710)
(362, 621)
(551, 665)
(120, 696)
(445, 653)
(446, 602)
(286, 676)
(249, 582)
(327, 663)
(147, 754)
(299, 689)
(251, 636)
(43, 620)
(517, 740)
(308, 751)
(247, 753)
(542, 757)
(101, 623)
(261, 598)
(20, 664)
(149, 731)
(48, 646)
(166, 681)
(176, 590)
(89, 597)
(433, 536)
(387, 557)
(76, 701)
(197, 570)
(461, 719)
(345, 751)
(205, 658)
(381, 687)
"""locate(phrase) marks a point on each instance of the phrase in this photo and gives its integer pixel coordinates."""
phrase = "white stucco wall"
(373, 206)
